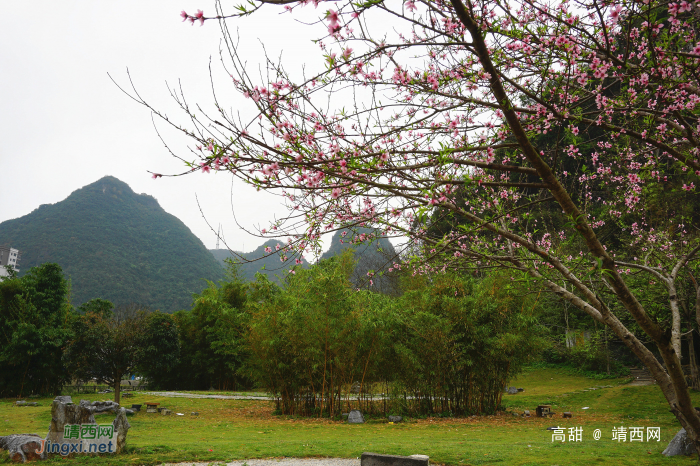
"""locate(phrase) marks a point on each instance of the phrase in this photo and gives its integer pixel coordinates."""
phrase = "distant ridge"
(115, 244)
(270, 266)
(372, 256)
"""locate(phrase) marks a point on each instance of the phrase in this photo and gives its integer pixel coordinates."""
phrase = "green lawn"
(237, 429)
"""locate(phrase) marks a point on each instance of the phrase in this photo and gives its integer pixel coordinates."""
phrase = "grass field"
(242, 429)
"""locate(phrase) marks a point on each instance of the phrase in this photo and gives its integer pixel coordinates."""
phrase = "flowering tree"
(548, 133)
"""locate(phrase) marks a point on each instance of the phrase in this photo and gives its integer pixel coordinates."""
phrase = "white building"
(8, 256)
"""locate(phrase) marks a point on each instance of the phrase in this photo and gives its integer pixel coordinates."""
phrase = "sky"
(65, 124)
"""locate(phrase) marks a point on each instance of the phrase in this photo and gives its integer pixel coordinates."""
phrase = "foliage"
(461, 339)
(450, 344)
(33, 331)
(211, 335)
(105, 347)
(159, 350)
(116, 245)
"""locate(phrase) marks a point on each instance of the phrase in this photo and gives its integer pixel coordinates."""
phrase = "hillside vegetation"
(117, 245)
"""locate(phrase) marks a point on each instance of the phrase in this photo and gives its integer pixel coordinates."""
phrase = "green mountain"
(115, 244)
(372, 256)
(269, 265)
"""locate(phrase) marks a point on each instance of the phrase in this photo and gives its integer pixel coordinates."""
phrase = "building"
(8, 256)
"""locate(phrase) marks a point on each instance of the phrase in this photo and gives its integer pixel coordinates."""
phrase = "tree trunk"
(694, 376)
(117, 387)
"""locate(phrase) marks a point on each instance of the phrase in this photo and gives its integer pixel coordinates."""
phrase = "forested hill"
(271, 265)
(115, 244)
(375, 256)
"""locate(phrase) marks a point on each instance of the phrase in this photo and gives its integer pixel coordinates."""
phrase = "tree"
(34, 312)
(211, 336)
(449, 109)
(106, 347)
(159, 352)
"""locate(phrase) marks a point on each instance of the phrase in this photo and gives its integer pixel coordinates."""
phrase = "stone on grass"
(355, 417)
(526, 413)
(680, 445)
(22, 447)
(395, 418)
(378, 459)
(121, 427)
(65, 413)
(512, 390)
(567, 414)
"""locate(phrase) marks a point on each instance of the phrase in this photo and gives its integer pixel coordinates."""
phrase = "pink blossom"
(183, 15)
(410, 5)
(333, 26)
(615, 13)
(200, 17)
(156, 176)
(335, 193)
(268, 249)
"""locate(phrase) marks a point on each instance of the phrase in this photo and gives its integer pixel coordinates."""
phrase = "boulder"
(355, 417)
(121, 427)
(512, 390)
(63, 413)
(22, 447)
(395, 419)
(680, 445)
(99, 407)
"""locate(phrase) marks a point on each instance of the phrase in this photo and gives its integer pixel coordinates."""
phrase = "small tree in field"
(106, 345)
(551, 135)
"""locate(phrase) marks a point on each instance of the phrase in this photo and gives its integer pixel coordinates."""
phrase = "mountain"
(375, 256)
(271, 266)
(115, 244)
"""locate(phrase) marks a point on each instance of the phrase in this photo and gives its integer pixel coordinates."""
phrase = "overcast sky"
(64, 124)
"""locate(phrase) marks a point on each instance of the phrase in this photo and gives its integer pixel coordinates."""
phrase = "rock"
(567, 414)
(63, 414)
(378, 459)
(195, 413)
(22, 447)
(355, 417)
(680, 445)
(165, 412)
(521, 389)
(64, 399)
(121, 426)
(20, 403)
(99, 407)
(395, 418)
(512, 390)
(526, 413)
